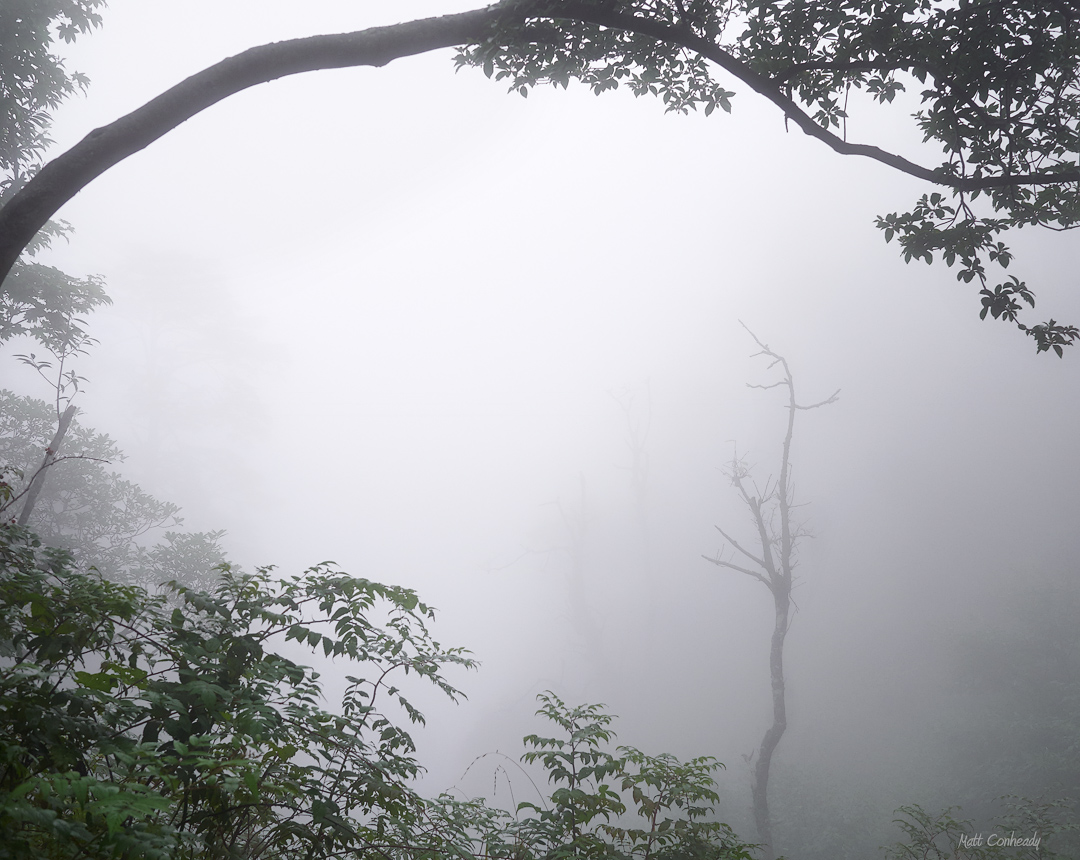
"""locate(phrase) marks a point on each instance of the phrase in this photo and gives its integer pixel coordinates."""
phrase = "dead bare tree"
(774, 565)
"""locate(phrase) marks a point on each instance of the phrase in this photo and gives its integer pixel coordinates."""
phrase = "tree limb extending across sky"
(997, 83)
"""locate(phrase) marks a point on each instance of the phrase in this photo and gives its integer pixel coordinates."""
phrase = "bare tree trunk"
(773, 565)
(775, 732)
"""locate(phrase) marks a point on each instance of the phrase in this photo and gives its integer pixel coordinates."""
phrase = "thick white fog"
(402, 320)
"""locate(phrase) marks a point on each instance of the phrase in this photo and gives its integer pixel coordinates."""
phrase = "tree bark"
(37, 483)
(62, 178)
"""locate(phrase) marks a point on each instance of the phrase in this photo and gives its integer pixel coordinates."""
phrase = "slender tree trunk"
(37, 483)
(775, 732)
(773, 564)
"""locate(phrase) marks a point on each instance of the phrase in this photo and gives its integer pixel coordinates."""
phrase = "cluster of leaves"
(134, 727)
(44, 303)
(542, 50)
(669, 814)
(999, 84)
(33, 80)
(40, 300)
(999, 97)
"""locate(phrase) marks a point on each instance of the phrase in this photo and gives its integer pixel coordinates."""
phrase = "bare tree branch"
(719, 562)
(832, 398)
(737, 546)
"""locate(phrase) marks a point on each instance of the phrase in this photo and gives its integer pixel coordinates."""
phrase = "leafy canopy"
(33, 78)
(611, 805)
(996, 83)
(142, 726)
(992, 83)
(40, 300)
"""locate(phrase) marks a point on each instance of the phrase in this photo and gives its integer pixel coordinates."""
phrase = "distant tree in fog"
(770, 557)
(638, 418)
(89, 508)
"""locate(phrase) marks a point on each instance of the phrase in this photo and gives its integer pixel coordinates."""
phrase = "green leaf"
(101, 681)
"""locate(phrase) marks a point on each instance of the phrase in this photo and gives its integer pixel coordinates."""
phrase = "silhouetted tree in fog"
(998, 81)
(770, 558)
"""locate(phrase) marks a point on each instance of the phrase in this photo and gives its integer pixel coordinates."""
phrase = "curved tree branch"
(772, 90)
(61, 179)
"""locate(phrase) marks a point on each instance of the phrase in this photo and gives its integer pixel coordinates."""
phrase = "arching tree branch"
(61, 179)
(1029, 194)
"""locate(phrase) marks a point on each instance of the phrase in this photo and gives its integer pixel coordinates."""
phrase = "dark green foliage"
(133, 727)
(33, 80)
(578, 764)
(39, 300)
(548, 49)
(674, 802)
(618, 805)
(998, 85)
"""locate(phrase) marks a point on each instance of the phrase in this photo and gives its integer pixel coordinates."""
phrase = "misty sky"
(387, 317)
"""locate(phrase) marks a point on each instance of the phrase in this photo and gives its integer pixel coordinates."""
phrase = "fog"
(402, 320)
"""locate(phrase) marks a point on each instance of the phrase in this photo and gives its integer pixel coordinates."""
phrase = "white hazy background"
(387, 317)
